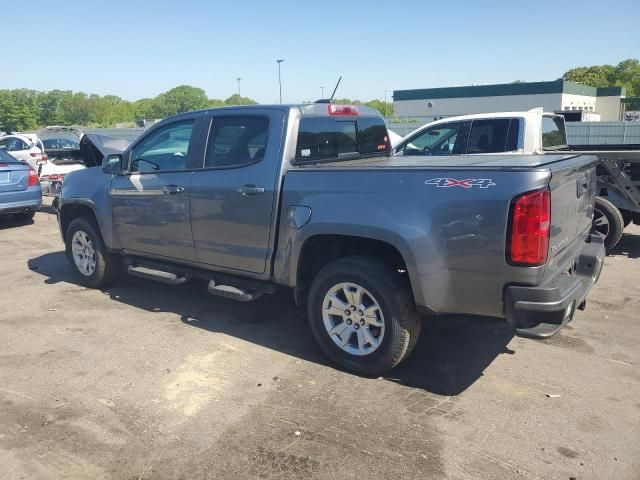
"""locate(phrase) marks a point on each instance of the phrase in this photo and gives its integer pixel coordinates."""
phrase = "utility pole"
(386, 113)
(322, 93)
(238, 79)
(280, 60)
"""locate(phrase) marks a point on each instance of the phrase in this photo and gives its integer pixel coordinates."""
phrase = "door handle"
(250, 190)
(172, 189)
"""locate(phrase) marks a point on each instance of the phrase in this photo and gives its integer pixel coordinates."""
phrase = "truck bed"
(454, 161)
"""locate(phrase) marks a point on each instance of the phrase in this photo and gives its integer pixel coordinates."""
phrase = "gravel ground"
(147, 381)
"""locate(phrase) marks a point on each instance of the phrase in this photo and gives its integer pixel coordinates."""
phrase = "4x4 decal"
(465, 183)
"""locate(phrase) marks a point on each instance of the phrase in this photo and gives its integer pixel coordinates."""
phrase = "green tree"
(625, 74)
(236, 99)
(181, 99)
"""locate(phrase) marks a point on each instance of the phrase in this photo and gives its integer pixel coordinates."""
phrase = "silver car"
(20, 191)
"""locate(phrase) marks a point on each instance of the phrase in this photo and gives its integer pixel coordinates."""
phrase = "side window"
(553, 134)
(489, 136)
(235, 141)
(444, 139)
(165, 149)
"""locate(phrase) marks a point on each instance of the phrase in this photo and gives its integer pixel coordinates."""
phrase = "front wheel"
(362, 315)
(607, 222)
(88, 256)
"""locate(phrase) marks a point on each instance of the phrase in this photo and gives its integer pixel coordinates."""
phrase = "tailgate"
(573, 189)
(14, 176)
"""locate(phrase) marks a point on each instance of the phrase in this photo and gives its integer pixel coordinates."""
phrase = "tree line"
(23, 109)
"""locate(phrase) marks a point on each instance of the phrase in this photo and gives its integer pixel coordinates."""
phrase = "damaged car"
(68, 149)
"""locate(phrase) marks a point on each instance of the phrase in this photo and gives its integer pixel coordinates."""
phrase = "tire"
(102, 267)
(607, 222)
(24, 216)
(388, 302)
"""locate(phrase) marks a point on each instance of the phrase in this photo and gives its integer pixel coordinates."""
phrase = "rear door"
(151, 202)
(233, 193)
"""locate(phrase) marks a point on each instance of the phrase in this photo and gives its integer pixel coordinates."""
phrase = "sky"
(137, 49)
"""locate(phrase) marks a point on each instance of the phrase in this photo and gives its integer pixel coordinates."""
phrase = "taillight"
(35, 155)
(349, 110)
(530, 224)
(33, 178)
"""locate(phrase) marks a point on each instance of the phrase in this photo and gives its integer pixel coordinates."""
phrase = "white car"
(25, 147)
(62, 149)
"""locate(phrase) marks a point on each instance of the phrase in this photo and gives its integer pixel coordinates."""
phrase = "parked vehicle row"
(536, 132)
(53, 152)
(309, 198)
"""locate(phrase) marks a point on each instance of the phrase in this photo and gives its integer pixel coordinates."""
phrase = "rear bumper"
(554, 302)
(30, 202)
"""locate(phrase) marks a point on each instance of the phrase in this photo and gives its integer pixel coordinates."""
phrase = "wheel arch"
(321, 248)
(71, 210)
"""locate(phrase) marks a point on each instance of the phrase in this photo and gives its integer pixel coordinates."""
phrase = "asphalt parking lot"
(147, 381)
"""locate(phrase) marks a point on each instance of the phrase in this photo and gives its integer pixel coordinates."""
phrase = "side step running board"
(220, 284)
(235, 293)
(158, 275)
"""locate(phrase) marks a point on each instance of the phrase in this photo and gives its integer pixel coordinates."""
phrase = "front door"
(233, 196)
(151, 202)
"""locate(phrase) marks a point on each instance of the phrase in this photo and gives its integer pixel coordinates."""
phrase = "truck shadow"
(628, 246)
(452, 352)
(9, 221)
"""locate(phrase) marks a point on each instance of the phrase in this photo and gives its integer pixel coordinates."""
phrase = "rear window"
(327, 138)
(553, 134)
(6, 158)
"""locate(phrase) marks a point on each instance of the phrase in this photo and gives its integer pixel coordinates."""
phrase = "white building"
(574, 100)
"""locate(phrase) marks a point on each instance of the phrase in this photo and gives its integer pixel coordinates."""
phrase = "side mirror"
(112, 164)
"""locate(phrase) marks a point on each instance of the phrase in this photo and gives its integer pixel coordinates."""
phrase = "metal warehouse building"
(574, 100)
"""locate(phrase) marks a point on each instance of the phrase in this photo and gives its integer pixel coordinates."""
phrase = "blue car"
(20, 191)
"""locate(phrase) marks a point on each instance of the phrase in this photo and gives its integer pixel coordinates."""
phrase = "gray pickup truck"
(307, 197)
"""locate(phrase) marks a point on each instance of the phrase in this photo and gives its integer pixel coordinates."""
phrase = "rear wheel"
(88, 256)
(362, 315)
(607, 222)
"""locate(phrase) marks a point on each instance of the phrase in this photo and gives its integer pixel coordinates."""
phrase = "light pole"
(238, 79)
(322, 93)
(385, 103)
(280, 60)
